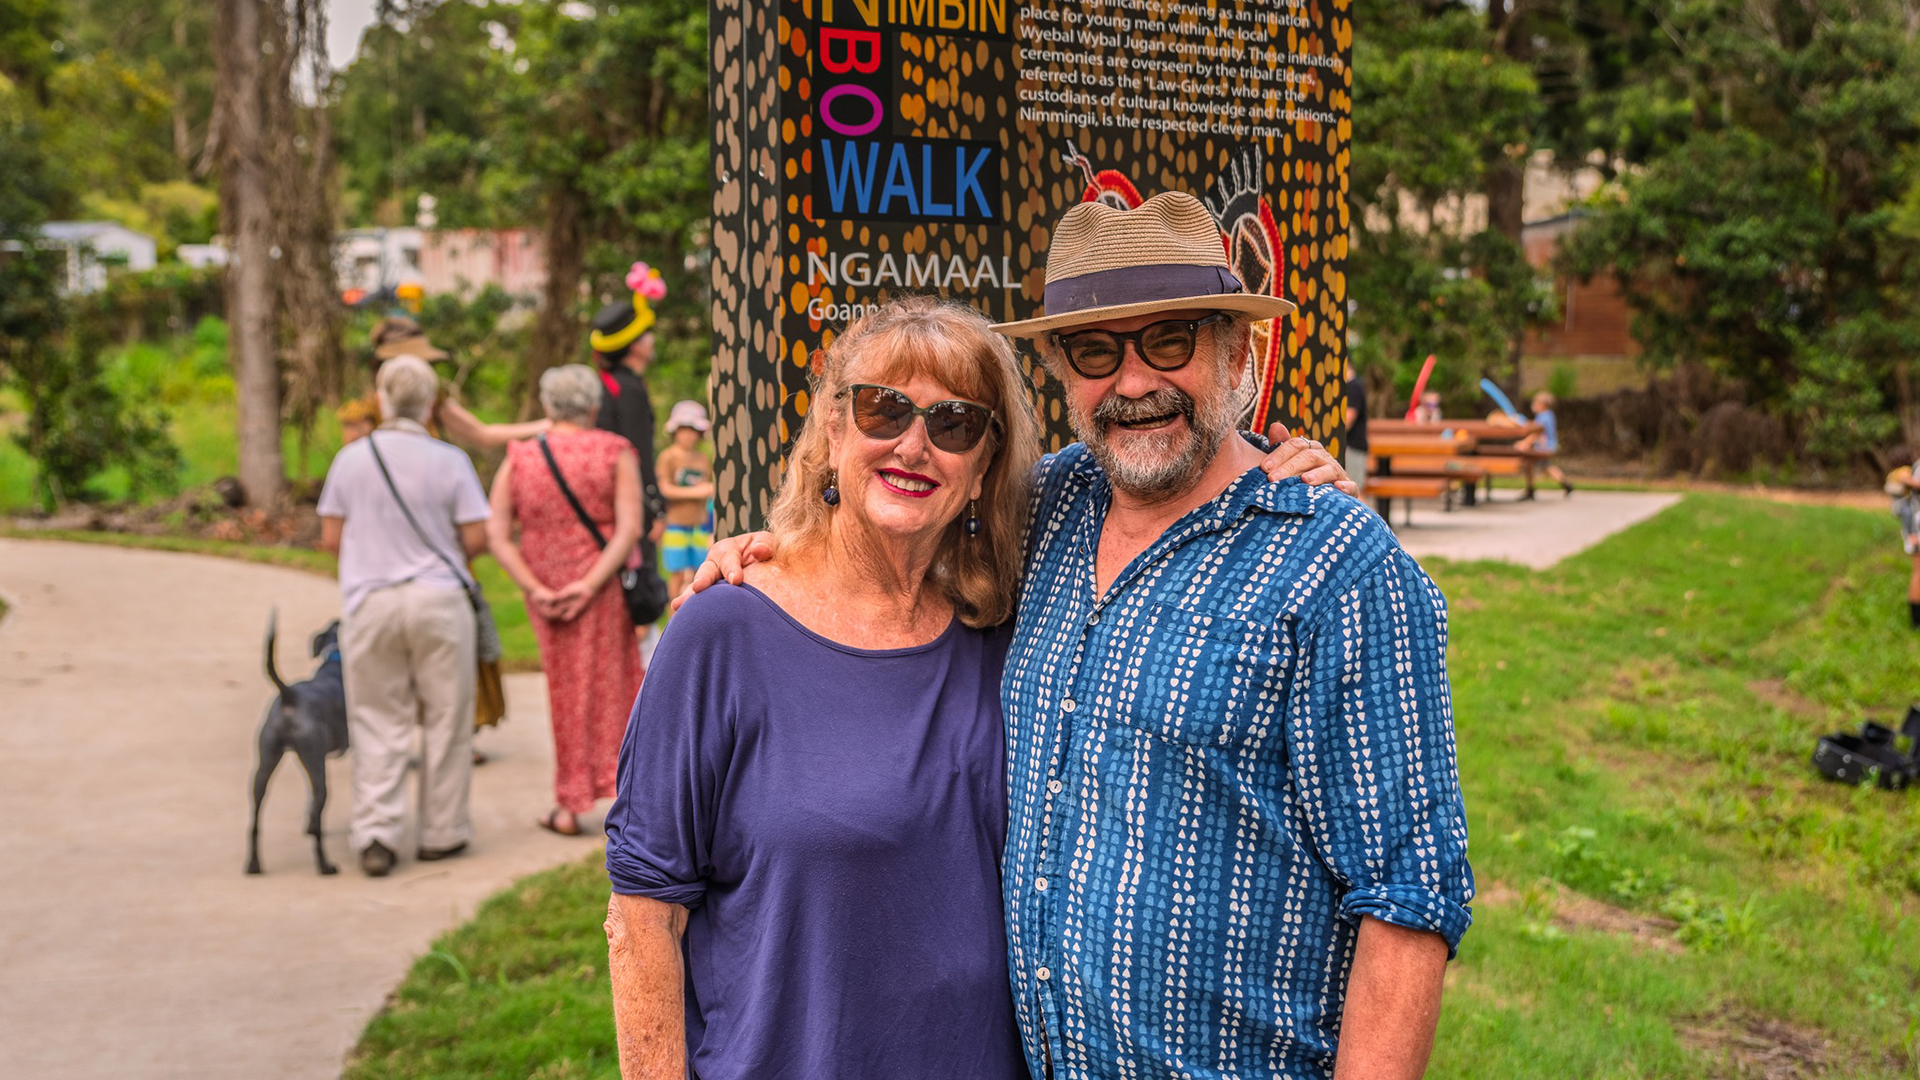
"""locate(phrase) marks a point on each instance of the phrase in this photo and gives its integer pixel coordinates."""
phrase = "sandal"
(551, 822)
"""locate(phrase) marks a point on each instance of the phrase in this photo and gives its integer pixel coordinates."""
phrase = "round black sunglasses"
(1165, 346)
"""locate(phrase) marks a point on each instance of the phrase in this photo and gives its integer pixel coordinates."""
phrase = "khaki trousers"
(407, 657)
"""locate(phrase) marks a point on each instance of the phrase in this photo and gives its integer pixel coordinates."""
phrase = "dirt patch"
(1644, 679)
(1496, 893)
(1776, 693)
(1646, 475)
(1576, 913)
(1752, 1047)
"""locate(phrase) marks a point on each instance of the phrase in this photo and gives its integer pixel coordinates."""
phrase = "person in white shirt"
(404, 511)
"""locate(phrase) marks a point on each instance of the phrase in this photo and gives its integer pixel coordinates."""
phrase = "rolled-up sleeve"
(1370, 728)
(672, 762)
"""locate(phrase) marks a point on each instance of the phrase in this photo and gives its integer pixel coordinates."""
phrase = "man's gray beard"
(1163, 464)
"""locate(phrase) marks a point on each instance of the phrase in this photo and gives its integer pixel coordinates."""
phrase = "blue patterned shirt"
(1213, 772)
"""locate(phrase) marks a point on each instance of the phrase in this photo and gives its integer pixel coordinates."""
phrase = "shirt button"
(1043, 974)
(1054, 786)
(1067, 705)
(1040, 884)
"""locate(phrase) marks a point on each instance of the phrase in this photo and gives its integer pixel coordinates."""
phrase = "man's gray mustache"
(1124, 410)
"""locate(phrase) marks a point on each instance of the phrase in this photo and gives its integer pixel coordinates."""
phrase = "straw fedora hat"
(1163, 255)
(396, 336)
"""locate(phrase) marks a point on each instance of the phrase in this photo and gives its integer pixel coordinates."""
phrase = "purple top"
(833, 817)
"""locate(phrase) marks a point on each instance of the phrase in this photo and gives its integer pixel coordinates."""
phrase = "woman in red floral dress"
(579, 617)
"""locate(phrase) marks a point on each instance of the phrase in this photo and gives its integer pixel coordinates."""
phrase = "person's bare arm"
(330, 529)
(1393, 1003)
(685, 491)
(649, 1007)
(467, 429)
(1306, 459)
(500, 541)
(572, 598)
(473, 539)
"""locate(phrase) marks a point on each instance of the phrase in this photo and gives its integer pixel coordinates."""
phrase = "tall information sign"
(864, 148)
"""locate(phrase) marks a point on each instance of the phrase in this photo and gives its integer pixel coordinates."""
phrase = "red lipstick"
(932, 484)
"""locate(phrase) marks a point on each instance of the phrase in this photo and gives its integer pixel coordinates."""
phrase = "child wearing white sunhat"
(686, 482)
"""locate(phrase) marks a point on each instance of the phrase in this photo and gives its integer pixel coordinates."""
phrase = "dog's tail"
(273, 632)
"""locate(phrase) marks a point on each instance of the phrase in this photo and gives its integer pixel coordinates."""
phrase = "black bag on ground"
(645, 593)
(1872, 754)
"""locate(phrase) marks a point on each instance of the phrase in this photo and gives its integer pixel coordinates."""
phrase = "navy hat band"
(1137, 285)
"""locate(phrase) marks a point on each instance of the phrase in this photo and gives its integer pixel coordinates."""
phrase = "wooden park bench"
(1480, 431)
(1384, 489)
(1486, 448)
(1416, 466)
(1468, 469)
(1509, 461)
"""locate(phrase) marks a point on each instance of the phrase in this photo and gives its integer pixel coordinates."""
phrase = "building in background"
(464, 261)
(375, 263)
(370, 262)
(94, 246)
(203, 256)
(1593, 336)
(1592, 339)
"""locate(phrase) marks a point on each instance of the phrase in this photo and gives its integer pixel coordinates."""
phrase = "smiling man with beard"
(1235, 843)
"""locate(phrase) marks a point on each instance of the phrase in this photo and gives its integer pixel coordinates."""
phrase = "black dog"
(310, 719)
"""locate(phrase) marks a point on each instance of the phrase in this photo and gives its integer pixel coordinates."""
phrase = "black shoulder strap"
(466, 582)
(578, 510)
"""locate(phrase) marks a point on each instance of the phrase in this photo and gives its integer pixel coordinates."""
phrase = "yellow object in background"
(410, 295)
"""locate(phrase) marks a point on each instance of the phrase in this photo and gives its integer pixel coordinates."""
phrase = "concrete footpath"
(131, 942)
(1536, 533)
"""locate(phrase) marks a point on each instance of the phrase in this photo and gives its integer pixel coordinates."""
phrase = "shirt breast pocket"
(1202, 678)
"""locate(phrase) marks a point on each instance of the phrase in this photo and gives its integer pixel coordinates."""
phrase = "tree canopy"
(586, 121)
(1760, 158)
(1771, 241)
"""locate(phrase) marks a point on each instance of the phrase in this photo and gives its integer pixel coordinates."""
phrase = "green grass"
(1634, 729)
(519, 991)
(519, 650)
(187, 378)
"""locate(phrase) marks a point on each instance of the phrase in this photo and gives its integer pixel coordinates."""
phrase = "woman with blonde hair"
(812, 793)
(566, 566)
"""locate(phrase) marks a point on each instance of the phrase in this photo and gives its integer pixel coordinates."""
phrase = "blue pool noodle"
(1500, 399)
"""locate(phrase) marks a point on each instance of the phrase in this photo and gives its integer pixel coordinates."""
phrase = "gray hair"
(407, 386)
(570, 392)
(1246, 395)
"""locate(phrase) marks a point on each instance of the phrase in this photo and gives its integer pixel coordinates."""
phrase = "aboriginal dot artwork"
(868, 148)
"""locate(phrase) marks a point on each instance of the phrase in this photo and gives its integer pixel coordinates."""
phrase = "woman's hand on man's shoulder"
(1306, 459)
(727, 560)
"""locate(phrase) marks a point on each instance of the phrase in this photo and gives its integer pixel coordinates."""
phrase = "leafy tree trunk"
(182, 130)
(245, 214)
(1506, 169)
(1909, 409)
(301, 141)
(556, 333)
(1506, 176)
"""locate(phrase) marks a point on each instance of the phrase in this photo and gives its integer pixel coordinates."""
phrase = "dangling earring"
(831, 493)
(973, 519)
